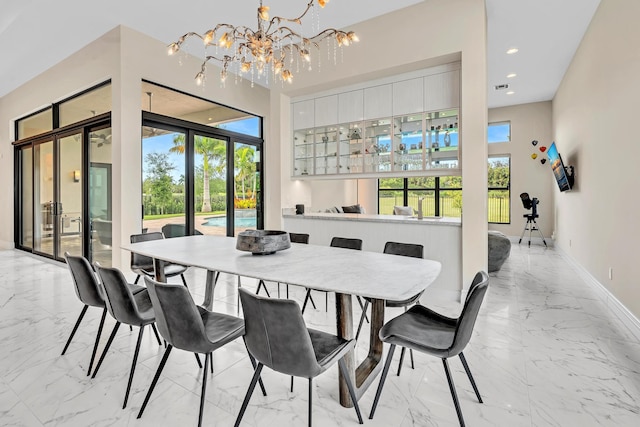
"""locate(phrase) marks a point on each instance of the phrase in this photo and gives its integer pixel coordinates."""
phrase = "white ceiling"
(36, 34)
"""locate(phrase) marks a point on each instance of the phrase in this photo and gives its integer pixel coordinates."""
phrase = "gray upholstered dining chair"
(186, 326)
(336, 242)
(403, 249)
(90, 294)
(429, 332)
(127, 308)
(276, 335)
(177, 230)
(143, 265)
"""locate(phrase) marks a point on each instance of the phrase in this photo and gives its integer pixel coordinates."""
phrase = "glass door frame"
(191, 129)
(84, 128)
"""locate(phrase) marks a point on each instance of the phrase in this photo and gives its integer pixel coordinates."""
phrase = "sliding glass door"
(163, 180)
(247, 186)
(51, 203)
(210, 185)
(63, 198)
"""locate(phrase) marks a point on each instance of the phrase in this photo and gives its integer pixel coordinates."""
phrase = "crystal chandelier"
(270, 48)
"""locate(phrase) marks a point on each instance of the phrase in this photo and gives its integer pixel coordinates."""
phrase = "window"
(499, 132)
(447, 190)
(499, 199)
(34, 124)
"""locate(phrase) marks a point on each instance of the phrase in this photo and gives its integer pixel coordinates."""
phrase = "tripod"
(531, 223)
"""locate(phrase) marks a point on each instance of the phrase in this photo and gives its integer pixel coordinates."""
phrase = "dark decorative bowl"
(263, 242)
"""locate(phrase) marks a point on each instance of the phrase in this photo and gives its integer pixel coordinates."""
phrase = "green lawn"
(498, 207)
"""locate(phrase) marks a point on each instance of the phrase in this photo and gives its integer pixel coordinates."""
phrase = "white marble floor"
(545, 351)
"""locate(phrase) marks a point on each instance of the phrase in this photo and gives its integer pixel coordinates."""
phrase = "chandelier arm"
(296, 20)
(327, 33)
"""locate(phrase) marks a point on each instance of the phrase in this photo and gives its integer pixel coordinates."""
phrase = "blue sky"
(163, 143)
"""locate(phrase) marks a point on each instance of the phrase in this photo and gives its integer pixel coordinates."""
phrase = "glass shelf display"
(443, 139)
(377, 145)
(326, 150)
(408, 143)
(350, 148)
(303, 141)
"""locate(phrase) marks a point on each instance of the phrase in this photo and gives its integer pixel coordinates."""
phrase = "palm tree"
(245, 168)
(212, 151)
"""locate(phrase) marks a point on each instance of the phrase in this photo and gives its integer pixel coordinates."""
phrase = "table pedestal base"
(362, 376)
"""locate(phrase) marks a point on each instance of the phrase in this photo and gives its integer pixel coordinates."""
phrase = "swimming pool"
(221, 221)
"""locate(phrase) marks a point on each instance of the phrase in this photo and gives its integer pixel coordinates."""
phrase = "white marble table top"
(347, 271)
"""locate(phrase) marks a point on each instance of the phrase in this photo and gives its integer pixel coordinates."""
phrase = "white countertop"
(393, 219)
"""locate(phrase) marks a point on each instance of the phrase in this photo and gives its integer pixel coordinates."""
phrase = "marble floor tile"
(545, 351)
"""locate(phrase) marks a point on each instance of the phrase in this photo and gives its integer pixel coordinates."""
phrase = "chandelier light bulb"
(274, 41)
(200, 78)
(173, 48)
(208, 37)
(263, 13)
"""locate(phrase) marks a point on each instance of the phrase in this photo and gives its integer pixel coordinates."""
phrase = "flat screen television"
(559, 171)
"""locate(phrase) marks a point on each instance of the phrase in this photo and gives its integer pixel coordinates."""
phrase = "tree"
(213, 153)
(159, 181)
(245, 169)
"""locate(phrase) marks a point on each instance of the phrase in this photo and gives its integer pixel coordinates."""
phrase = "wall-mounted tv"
(559, 171)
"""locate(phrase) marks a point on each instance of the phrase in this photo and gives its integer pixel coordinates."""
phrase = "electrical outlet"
(610, 273)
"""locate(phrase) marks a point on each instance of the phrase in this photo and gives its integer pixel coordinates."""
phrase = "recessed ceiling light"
(510, 92)
(512, 51)
(512, 75)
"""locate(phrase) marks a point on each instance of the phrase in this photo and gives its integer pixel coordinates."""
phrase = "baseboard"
(610, 300)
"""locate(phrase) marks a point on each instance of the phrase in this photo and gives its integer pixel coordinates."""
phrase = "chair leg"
(184, 282)
(211, 364)
(454, 395)
(75, 328)
(207, 358)
(291, 383)
(253, 364)
(106, 348)
(308, 298)
(263, 286)
(133, 367)
(287, 285)
(136, 281)
(198, 360)
(385, 371)
(252, 386)
(473, 383)
(366, 318)
(155, 331)
(362, 318)
(401, 360)
(310, 400)
(352, 392)
(95, 346)
(155, 379)
(326, 302)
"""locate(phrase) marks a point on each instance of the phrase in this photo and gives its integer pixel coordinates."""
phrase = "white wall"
(595, 113)
(91, 65)
(528, 122)
(460, 32)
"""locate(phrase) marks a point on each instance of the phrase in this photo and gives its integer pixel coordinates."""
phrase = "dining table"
(346, 272)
